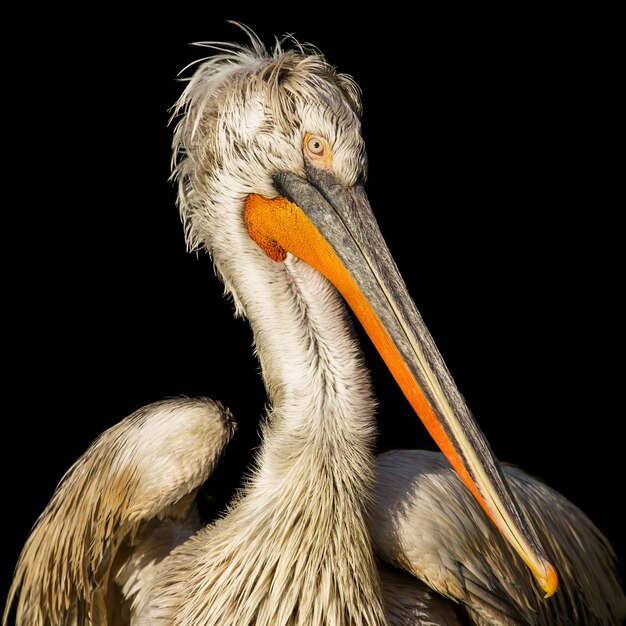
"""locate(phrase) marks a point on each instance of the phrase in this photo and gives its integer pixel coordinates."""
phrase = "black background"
(492, 172)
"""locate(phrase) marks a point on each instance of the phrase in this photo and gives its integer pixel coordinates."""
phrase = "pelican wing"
(119, 510)
(427, 524)
(409, 602)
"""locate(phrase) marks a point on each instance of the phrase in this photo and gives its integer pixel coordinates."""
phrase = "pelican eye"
(315, 145)
(317, 150)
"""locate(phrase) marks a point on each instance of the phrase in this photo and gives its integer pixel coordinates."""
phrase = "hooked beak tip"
(549, 581)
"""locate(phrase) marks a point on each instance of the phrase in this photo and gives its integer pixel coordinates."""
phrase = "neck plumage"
(313, 484)
(294, 548)
(321, 419)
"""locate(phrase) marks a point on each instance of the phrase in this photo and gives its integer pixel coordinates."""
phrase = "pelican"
(271, 165)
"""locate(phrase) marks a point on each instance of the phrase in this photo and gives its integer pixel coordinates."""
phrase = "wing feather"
(425, 522)
(146, 468)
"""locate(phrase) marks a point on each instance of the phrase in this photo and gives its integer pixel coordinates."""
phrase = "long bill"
(333, 229)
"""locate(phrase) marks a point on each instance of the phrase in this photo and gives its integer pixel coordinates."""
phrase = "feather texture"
(426, 523)
(139, 470)
(121, 543)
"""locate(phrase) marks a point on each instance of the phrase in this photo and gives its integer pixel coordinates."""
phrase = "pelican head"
(271, 164)
(245, 116)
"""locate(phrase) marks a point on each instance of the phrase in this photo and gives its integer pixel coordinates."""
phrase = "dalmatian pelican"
(271, 166)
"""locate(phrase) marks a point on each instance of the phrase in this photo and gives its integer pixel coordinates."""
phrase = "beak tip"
(549, 582)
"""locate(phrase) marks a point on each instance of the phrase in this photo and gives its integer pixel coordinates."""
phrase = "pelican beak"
(332, 228)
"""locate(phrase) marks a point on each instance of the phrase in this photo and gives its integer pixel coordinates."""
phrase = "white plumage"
(322, 533)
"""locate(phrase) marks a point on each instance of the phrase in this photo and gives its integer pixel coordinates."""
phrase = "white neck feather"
(294, 548)
(319, 392)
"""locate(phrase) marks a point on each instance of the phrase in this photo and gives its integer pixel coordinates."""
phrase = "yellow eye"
(315, 145)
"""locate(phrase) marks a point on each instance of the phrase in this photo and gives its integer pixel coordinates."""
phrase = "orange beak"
(333, 229)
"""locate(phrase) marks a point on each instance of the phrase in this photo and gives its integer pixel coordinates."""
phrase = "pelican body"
(271, 166)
